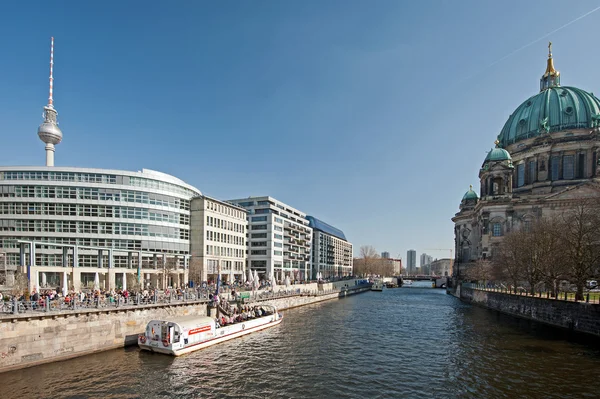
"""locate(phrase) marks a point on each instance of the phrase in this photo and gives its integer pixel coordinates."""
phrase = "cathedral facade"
(546, 156)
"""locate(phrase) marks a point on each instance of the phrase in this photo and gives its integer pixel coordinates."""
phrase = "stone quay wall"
(32, 339)
(576, 316)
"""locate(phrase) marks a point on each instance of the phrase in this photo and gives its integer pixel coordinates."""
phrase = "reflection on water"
(399, 343)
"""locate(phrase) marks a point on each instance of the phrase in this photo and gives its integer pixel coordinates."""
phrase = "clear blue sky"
(373, 116)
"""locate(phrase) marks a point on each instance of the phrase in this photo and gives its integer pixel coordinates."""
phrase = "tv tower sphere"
(49, 132)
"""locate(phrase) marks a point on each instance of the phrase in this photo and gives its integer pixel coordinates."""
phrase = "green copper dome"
(553, 110)
(497, 154)
(470, 195)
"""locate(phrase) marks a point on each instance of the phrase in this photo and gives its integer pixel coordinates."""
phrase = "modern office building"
(411, 261)
(68, 224)
(217, 240)
(78, 227)
(425, 260)
(331, 251)
(279, 238)
(385, 255)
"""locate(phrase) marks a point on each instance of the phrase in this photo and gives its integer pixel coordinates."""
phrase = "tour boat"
(377, 285)
(185, 334)
(407, 282)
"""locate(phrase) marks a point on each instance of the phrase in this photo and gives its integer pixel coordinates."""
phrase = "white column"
(65, 284)
(75, 256)
(124, 281)
(44, 279)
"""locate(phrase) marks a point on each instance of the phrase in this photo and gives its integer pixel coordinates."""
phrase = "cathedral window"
(496, 230)
(581, 166)
(554, 167)
(532, 170)
(520, 175)
(568, 167)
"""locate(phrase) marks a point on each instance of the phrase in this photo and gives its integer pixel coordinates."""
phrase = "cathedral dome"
(470, 195)
(553, 110)
(497, 154)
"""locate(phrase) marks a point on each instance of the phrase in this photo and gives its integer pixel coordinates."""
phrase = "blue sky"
(373, 116)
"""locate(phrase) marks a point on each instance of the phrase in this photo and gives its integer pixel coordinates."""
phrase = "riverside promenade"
(37, 334)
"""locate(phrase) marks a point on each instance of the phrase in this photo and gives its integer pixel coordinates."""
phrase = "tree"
(365, 265)
(196, 270)
(21, 285)
(580, 242)
(480, 271)
(552, 265)
(506, 263)
(168, 265)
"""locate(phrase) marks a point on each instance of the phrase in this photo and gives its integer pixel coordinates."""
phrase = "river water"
(399, 343)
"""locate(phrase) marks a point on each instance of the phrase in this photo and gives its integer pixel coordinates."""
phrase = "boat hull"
(221, 335)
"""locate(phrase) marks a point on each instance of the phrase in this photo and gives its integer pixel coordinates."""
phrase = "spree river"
(399, 343)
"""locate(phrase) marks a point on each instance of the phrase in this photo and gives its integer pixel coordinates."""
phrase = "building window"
(555, 167)
(496, 229)
(568, 167)
(581, 166)
(527, 225)
(520, 175)
(259, 219)
(259, 227)
(532, 170)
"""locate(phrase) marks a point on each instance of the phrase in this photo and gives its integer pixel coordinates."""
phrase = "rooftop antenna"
(49, 132)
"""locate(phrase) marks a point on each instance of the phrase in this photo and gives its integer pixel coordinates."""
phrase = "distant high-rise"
(385, 255)
(411, 261)
(425, 260)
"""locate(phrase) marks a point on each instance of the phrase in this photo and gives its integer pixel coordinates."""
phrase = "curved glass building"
(75, 227)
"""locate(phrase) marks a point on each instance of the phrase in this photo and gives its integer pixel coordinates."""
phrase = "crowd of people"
(243, 313)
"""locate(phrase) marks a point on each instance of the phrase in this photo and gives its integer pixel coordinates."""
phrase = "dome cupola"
(497, 154)
(470, 196)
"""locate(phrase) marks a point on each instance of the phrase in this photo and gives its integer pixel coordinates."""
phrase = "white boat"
(185, 334)
(377, 285)
(406, 283)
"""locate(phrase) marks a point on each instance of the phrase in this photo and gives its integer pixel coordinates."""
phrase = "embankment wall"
(576, 316)
(35, 338)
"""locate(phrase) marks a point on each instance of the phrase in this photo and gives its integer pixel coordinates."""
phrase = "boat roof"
(188, 319)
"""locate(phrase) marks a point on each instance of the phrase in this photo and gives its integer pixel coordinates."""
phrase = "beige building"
(218, 239)
(546, 156)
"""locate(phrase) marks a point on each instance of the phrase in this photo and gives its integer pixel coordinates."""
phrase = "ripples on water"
(400, 343)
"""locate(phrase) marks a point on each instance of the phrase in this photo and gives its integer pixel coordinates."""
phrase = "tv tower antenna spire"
(49, 132)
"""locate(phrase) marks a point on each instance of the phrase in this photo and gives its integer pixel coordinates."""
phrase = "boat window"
(176, 333)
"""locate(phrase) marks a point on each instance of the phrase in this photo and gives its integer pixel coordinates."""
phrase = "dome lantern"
(550, 78)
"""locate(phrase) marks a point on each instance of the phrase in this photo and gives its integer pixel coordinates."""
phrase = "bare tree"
(196, 270)
(552, 264)
(507, 262)
(21, 285)
(365, 265)
(481, 270)
(580, 238)
(168, 265)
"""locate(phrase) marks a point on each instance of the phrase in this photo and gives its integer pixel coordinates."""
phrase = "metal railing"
(45, 305)
(589, 296)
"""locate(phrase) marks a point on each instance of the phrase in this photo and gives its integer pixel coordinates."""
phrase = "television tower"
(49, 132)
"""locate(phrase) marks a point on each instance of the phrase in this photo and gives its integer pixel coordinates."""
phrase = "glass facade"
(121, 211)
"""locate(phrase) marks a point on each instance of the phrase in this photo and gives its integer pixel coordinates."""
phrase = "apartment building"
(217, 239)
(278, 239)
